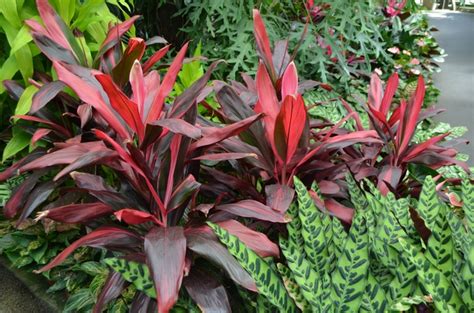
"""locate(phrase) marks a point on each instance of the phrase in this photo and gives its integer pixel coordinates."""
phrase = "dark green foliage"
(382, 262)
(266, 278)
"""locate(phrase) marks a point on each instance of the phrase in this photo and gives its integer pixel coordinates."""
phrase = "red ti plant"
(388, 162)
(285, 142)
(394, 7)
(150, 214)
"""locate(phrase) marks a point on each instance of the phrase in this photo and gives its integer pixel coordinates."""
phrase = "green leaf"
(10, 12)
(8, 70)
(22, 38)
(24, 60)
(19, 141)
(136, 273)
(267, 280)
(24, 103)
(80, 301)
(350, 277)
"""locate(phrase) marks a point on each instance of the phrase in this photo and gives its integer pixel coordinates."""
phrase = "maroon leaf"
(134, 51)
(289, 126)
(18, 198)
(36, 198)
(109, 237)
(279, 197)
(45, 94)
(134, 217)
(340, 211)
(212, 135)
(39, 133)
(390, 89)
(253, 209)
(179, 126)
(58, 128)
(166, 86)
(225, 156)
(207, 292)
(77, 213)
(256, 241)
(183, 192)
(263, 43)
(114, 34)
(204, 242)
(127, 109)
(158, 55)
(87, 159)
(375, 92)
(390, 175)
(112, 289)
(165, 249)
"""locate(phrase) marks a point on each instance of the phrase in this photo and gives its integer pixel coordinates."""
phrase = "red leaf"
(375, 92)
(212, 135)
(65, 155)
(419, 148)
(179, 126)
(267, 102)
(225, 156)
(39, 133)
(114, 34)
(127, 109)
(340, 211)
(87, 159)
(76, 213)
(165, 249)
(45, 94)
(89, 93)
(390, 89)
(388, 175)
(166, 85)
(113, 288)
(108, 237)
(134, 217)
(204, 243)
(137, 82)
(57, 127)
(208, 293)
(289, 84)
(410, 116)
(289, 126)
(253, 209)
(279, 197)
(54, 24)
(158, 55)
(134, 51)
(256, 241)
(263, 43)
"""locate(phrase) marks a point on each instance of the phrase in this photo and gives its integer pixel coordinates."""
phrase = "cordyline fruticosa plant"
(285, 142)
(388, 162)
(154, 150)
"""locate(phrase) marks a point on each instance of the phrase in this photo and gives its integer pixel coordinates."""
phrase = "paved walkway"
(456, 80)
(16, 298)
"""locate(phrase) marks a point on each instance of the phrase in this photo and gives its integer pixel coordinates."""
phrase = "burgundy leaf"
(204, 242)
(207, 292)
(253, 209)
(212, 135)
(256, 241)
(289, 84)
(225, 156)
(137, 82)
(340, 211)
(183, 192)
(158, 55)
(39, 133)
(390, 175)
(279, 197)
(87, 159)
(166, 86)
(375, 92)
(134, 51)
(390, 89)
(134, 217)
(179, 126)
(18, 198)
(127, 109)
(263, 43)
(112, 289)
(289, 126)
(45, 94)
(165, 248)
(112, 238)
(114, 34)
(77, 213)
